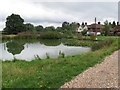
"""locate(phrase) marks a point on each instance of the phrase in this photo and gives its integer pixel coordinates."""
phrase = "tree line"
(15, 24)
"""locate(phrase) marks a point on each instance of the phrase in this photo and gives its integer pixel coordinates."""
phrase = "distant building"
(95, 28)
(82, 27)
(117, 28)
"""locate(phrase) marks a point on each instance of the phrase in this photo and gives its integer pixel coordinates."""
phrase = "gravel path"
(104, 75)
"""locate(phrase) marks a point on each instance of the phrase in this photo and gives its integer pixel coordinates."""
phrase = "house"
(81, 28)
(117, 28)
(95, 28)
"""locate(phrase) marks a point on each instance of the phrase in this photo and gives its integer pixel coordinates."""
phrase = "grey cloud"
(85, 10)
(82, 11)
(42, 20)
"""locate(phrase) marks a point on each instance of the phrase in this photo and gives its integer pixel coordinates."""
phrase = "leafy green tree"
(14, 24)
(74, 26)
(39, 28)
(65, 26)
(117, 23)
(83, 23)
(69, 28)
(29, 27)
(49, 28)
(59, 29)
(106, 29)
(99, 22)
(113, 24)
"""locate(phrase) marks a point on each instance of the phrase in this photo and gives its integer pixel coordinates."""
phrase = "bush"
(102, 44)
(25, 37)
(80, 36)
(5, 38)
(93, 36)
(84, 32)
(118, 34)
(51, 35)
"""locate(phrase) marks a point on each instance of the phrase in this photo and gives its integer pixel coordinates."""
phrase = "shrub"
(84, 32)
(47, 56)
(93, 36)
(5, 38)
(118, 34)
(79, 35)
(37, 57)
(51, 35)
(25, 37)
(102, 44)
(61, 54)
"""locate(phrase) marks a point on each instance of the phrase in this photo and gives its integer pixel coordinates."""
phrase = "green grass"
(103, 37)
(76, 42)
(98, 37)
(51, 73)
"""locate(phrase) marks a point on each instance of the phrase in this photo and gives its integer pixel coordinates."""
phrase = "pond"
(28, 50)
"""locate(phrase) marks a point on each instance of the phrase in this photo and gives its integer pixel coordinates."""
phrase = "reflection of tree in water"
(14, 47)
(51, 42)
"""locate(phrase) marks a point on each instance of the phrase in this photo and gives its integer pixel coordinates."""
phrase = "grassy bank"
(76, 42)
(55, 35)
(51, 73)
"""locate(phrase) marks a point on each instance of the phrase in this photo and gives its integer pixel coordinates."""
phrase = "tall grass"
(83, 43)
(51, 35)
(102, 44)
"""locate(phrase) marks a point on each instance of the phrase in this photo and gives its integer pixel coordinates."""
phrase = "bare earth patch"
(104, 75)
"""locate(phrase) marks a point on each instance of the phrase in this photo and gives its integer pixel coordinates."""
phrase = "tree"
(83, 23)
(113, 24)
(50, 28)
(70, 28)
(29, 27)
(74, 26)
(99, 22)
(65, 26)
(117, 23)
(39, 28)
(14, 24)
(59, 29)
(106, 29)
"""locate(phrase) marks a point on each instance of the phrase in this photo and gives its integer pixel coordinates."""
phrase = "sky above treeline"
(54, 13)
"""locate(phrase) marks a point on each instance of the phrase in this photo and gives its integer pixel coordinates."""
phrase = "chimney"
(117, 23)
(85, 23)
(99, 22)
(95, 20)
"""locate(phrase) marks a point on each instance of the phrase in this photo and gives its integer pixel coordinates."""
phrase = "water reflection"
(14, 47)
(51, 42)
(27, 51)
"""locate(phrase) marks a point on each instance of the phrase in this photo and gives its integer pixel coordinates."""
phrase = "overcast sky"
(54, 13)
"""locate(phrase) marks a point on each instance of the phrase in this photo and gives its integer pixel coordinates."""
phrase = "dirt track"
(104, 75)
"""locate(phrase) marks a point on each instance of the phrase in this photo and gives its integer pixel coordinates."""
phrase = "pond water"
(29, 50)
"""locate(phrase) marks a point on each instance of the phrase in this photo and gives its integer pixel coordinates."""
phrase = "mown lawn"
(51, 73)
